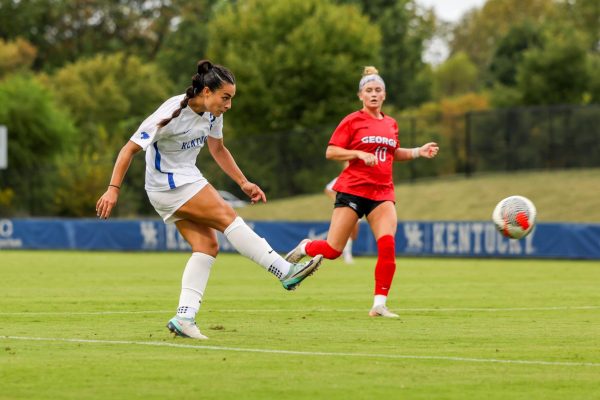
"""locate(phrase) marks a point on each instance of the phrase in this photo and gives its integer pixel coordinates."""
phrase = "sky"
(450, 11)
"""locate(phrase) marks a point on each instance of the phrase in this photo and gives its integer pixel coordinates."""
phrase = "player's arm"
(340, 154)
(226, 162)
(108, 200)
(428, 150)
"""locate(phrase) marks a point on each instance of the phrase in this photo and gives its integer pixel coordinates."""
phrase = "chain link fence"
(513, 139)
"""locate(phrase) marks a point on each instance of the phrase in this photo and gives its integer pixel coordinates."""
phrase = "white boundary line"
(306, 353)
(309, 310)
(86, 312)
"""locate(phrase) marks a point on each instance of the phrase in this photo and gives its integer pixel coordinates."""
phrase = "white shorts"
(166, 203)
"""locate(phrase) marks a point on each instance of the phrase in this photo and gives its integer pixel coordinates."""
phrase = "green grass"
(563, 195)
(453, 311)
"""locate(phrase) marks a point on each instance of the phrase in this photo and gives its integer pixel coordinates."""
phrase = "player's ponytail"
(208, 75)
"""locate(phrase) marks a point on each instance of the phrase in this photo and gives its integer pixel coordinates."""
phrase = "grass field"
(91, 326)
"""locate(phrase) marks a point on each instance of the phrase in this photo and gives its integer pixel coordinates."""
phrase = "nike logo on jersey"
(144, 135)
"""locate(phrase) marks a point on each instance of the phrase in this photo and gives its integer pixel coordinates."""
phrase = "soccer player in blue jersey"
(172, 138)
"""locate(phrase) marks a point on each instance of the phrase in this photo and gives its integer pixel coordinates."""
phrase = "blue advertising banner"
(441, 238)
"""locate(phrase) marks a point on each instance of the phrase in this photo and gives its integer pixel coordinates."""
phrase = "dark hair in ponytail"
(209, 75)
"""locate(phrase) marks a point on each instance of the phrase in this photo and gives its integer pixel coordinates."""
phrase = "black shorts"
(360, 205)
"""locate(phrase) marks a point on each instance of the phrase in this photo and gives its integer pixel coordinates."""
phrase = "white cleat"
(382, 311)
(296, 254)
(185, 327)
(301, 271)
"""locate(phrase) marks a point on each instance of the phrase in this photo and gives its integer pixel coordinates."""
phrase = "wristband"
(415, 152)
(115, 186)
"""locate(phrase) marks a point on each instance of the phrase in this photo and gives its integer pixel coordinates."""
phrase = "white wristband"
(415, 152)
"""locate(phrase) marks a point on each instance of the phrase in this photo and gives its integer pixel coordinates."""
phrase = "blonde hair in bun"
(370, 70)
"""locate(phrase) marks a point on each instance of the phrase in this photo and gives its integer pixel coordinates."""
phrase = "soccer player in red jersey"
(368, 140)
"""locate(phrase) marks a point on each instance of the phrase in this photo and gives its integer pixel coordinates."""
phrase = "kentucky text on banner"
(439, 238)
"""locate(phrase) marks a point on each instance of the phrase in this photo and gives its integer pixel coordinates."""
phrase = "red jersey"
(360, 131)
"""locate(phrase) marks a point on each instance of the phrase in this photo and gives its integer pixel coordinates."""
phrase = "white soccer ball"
(514, 217)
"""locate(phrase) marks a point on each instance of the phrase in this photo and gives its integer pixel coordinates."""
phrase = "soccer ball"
(514, 217)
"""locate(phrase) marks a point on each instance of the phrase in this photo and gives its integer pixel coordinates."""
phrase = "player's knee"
(223, 217)
(207, 247)
(386, 247)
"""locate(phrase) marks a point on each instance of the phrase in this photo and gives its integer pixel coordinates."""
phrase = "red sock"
(315, 247)
(386, 264)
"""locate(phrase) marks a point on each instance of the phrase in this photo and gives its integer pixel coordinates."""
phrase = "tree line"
(78, 76)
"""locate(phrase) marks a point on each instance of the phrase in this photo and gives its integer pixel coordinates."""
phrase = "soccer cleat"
(296, 254)
(185, 327)
(382, 311)
(298, 272)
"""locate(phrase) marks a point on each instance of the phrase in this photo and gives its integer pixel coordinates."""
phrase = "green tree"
(38, 131)
(508, 56)
(114, 92)
(186, 42)
(457, 75)
(297, 65)
(594, 85)
(509, 53)
(585, 15)
(64, 30)
(16, 56)
(480, 30)
(556, 73)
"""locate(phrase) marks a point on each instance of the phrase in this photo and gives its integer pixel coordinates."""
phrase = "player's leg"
(355, 230)
(343, 220)
(205, 247)
(347, 252)
(383, 222)
(209, 209)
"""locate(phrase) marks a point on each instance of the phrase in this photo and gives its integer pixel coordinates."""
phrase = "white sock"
(303, 247)
(193, 284)
(250, 245)
(347, 252)
(280, 268)
(379, 300)
(348, 246)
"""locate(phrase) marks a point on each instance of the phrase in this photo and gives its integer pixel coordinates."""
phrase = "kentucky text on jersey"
(193, 143)
(379, 140)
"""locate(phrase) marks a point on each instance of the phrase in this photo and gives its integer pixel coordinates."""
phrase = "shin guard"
(386, 264)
